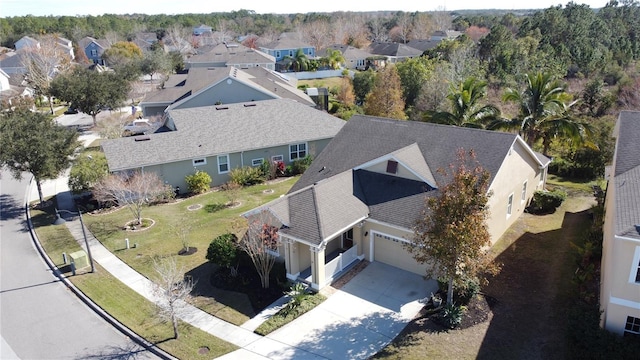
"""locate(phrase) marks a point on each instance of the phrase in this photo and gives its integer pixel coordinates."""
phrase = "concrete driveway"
(358, 320)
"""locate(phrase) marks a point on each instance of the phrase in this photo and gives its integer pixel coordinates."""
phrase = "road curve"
(40, 318)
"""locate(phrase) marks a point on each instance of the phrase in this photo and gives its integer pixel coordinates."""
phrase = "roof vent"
(142, 138)
(222, 108)
(249, 105)
(392, 167)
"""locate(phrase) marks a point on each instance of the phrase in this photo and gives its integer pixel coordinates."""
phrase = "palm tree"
(544, 114)
(299, 61)
(465, 108)
(333, 59)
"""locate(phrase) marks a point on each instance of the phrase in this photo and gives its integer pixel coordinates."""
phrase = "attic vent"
(142, 138)
(392, 167)
(222, 108)
(249, 105)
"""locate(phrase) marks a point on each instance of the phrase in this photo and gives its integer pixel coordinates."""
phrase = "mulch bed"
(248, 282)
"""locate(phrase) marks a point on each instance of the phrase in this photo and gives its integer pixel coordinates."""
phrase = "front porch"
(320, 265)
(337, 263)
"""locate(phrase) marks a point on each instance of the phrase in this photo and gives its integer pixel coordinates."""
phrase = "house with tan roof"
(620, 269)
(216, 139)
(354, 58)
(286, 46)
(216, 86)
(361, 196)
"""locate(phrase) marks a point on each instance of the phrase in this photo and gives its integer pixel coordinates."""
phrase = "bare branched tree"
(404, 27)
(179, 39)
(173, 290)
(182, 228)
(317, 33)
(112, 37)
(43, 62)
(423, 27)
(378, 29)
(111, 126)
(442, 18)
(259, 242)
(135, 191)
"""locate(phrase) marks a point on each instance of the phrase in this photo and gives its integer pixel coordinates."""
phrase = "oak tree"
(31, 142)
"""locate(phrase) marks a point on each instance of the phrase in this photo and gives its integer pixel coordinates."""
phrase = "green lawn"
(326, 83)
(203, 217)
(120, 301)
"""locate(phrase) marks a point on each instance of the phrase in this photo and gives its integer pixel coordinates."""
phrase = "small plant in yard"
(297, 292)
(246, 176)
(451, 315)
(284, 316)
(198, 182)
(231, 191)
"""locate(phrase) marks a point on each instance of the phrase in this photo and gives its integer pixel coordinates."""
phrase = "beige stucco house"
(362, 194)
(620, 269)
(219, 138)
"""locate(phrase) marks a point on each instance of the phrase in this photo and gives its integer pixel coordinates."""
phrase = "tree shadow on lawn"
(243, 293)
(530, 314)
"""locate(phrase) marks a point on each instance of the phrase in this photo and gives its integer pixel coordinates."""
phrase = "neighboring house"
(395, 52)
(217, 139)
(354, 58)
(202, 30)
(231, 55)
(620, 277)
(440, 35)
(145, 40)
(14, 86)
(423, 45)
(63, 44)
(360, 197)
(11, 62)
(94, 49)
(26, 42)
(215, 86)
(287, 47)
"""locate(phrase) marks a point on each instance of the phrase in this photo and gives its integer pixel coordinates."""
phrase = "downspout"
(241, 158)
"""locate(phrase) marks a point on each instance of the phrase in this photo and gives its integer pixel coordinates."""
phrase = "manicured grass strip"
(121, 302)
(139, 315)
(283, 317)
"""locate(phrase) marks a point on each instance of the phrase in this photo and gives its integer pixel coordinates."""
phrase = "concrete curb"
(86, 300)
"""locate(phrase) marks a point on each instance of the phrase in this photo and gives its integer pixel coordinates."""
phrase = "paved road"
(39, 317)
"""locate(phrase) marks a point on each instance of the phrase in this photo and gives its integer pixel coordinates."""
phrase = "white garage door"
(390, 250)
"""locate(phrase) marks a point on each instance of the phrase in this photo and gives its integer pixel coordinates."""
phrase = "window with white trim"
(632, 326)
(257, 162)
(297, 151)
(223, 164)
(523, 196)
(277, 158)
(277, 54)
(509, 205)
(198, 162)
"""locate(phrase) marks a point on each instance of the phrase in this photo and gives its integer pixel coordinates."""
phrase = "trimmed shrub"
(546, 201)
(299, 166)
(247, 175)
(223, 250)
(87, 170)
(198, 182)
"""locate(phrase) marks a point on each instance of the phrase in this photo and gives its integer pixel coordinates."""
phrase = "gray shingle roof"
(331, 178)
(393, 49)
(205, 131)
(627, 175)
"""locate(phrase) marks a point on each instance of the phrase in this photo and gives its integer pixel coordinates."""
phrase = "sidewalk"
(253, 346)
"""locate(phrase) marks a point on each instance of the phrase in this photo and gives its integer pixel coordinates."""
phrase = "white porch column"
(317, 267)
(291, 258)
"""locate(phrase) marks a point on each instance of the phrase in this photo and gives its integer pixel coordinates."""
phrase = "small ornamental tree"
(173, 290)
(451, 233)
(135, 191)
(198, 182)
(259, 242)
(223, 251)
